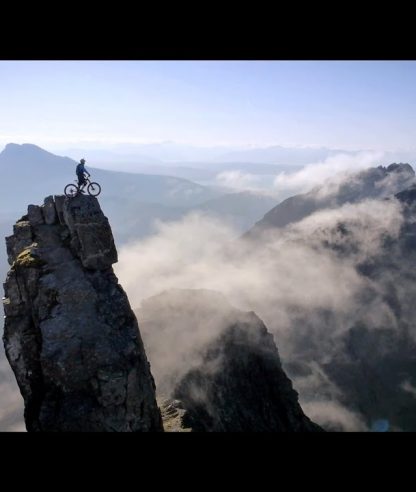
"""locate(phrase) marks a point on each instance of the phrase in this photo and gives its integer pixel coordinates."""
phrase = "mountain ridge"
(376, 182)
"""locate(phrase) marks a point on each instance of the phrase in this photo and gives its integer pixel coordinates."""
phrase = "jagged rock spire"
(70, 335)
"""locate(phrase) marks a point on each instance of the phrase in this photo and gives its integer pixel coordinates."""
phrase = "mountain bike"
(71, 190)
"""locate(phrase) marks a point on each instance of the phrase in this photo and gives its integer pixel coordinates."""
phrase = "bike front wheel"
(71, 190)
(94, 189)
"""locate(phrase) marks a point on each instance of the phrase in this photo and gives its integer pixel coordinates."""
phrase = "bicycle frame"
(93, 188)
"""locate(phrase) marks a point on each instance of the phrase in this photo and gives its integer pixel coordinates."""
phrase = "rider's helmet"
(82, 161)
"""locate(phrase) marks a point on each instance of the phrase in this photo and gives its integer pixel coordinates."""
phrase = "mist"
(294, 278)
(290, 278)
(238, 180)
(328, 174)
(331, 171)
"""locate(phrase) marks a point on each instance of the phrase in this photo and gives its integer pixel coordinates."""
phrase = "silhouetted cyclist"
(81, 172)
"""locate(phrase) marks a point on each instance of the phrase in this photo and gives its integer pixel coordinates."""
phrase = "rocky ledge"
(70, 335)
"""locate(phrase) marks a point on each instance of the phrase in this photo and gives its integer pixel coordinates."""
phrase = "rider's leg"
(81, 182)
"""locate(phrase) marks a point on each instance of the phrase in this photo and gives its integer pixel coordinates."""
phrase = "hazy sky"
(339, 104)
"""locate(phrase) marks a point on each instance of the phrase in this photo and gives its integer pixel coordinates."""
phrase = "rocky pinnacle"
(70, 335)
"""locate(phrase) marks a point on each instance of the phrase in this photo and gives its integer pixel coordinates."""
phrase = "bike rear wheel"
(94, 189)
(71, 190)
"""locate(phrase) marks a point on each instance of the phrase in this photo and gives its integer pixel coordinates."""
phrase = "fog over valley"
(321, 255)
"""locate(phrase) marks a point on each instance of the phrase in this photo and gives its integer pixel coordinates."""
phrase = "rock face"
(173, 414)
(366, 362)
(216, 368)
(376, 368)
(241, 386)
(70, 335)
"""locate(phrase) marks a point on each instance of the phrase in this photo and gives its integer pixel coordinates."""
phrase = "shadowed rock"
(70, 335)
(241, 386)
(379, 182)
(217, 368)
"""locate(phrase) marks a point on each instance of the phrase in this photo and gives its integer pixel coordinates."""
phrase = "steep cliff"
(70, 335)
(217, 368)
(240, 385)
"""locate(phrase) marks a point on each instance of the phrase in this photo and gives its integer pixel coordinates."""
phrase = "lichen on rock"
(28, 258)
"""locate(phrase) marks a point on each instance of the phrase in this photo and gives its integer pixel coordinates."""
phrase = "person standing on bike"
(81, 172)
(71, 190)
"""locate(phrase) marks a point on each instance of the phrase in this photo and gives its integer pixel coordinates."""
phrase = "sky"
(350, 105)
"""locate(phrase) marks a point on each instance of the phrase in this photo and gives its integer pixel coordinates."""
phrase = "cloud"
(326, 175)
(334, 416)
(167, 318)
(295, 280)
(320, 400)
(335, 169)
(408, 387)
(202, 252)
(242, 181)
(368, 221)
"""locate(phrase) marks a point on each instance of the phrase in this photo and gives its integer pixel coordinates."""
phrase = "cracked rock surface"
(70, 335)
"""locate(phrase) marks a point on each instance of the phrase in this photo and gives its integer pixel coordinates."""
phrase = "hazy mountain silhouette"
(283, 155)
(208, 171)
(371, 183)
(31, 171)
(240, 209)
(373, 362)
(133, 201)
(171, 152)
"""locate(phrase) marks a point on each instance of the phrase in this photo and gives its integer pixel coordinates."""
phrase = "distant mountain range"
(240, 210)
(201, 172)
(172, 153)
(187, 155)
(354, 348)
(377, 182)
(32, 172)
(132, 201)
